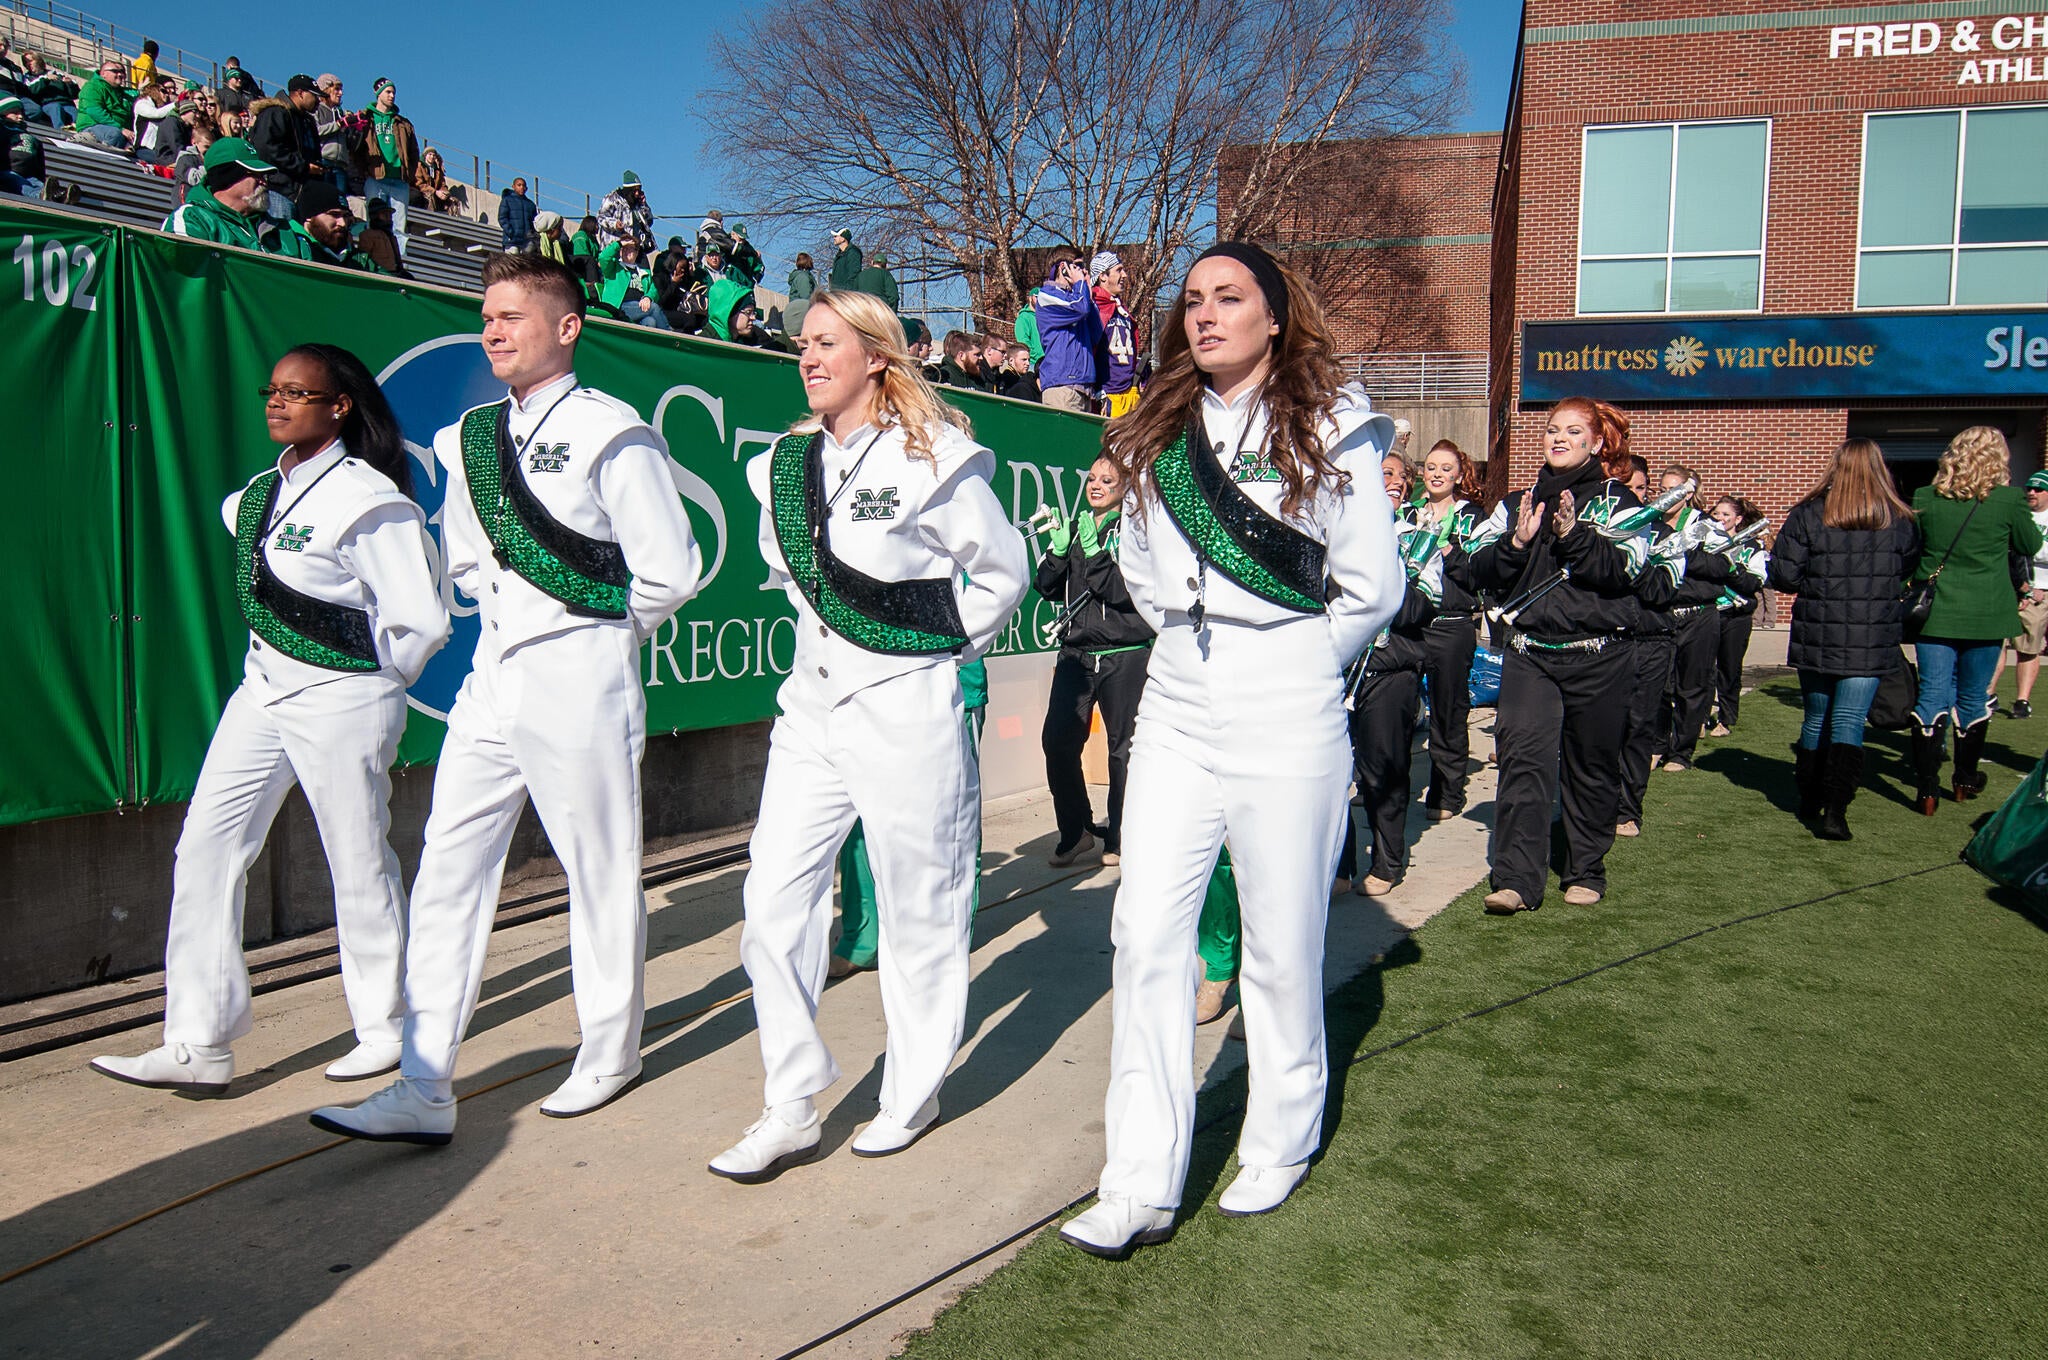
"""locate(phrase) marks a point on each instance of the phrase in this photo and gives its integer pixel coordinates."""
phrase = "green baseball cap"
(235, 151)
(2038, 482)
(628, 178)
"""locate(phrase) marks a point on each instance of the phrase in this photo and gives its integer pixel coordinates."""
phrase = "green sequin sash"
(1270, 559)
(317, 632)
(899, 618)
(588, 575)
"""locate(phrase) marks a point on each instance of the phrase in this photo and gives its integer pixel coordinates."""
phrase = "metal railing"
(1449, 375)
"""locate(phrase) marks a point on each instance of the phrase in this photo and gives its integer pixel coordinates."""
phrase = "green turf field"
(1818, 1133)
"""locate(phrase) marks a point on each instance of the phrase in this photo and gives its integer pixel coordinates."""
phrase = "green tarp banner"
(136, 414)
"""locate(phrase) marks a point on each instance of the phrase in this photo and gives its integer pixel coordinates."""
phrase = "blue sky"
(575, 101)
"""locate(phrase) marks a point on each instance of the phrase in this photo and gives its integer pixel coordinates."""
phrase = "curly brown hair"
(1299, 392)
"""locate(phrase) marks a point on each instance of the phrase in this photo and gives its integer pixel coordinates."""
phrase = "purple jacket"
(1072, 332)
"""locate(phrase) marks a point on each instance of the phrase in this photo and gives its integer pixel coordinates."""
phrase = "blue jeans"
(107, 135)
(653, 319)
(1836, 705)
(399, 196)
(61, 112)
(1955, 673)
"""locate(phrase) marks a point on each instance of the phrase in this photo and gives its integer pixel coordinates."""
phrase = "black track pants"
(1082, 681)
(1645, 710)
(1691, 684)
(1448, 645)
(1383, 742)
(1562, 719)
(1728, 654)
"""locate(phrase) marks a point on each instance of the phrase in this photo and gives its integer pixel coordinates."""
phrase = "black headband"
(1264, 268)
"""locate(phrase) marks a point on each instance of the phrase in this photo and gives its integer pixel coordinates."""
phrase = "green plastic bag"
(2012, 849)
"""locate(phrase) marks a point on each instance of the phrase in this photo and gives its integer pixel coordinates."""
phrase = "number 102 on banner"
(68, 273)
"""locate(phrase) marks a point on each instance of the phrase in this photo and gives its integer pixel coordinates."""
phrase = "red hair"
(1468, 471)
(1612, 428)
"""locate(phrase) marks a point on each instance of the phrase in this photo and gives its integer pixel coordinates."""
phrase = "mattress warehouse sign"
(2010, 50)
(1803, 358)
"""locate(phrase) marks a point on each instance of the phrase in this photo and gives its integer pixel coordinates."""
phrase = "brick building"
(1762, 226)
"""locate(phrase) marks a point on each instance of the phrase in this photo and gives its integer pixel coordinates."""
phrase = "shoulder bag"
(1918, 596)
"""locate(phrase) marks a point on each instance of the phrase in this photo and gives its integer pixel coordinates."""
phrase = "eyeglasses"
(300, 395)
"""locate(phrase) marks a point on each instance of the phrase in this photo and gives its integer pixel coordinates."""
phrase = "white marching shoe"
(366, 1060)
(400, 1113)
(1260, 1189)
(771, 1145)
(1118, 1226)
(886, 1136)
(582, 1093)
(174, 1067)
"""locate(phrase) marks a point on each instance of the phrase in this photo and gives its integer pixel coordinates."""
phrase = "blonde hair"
(904, 398)
(1975, 461)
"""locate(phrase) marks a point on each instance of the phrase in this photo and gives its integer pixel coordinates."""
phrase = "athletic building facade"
(1763, 227)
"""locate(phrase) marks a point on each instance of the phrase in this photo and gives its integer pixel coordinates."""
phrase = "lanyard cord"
(277, 517)
(533, 434)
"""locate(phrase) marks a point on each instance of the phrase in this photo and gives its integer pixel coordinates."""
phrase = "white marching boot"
(364, 1061)
(1260, 1189)
(582, 1093)
(885, 1136)
(400, 1113)
(771, 1145)
(1118, 1226)
(174, 1067)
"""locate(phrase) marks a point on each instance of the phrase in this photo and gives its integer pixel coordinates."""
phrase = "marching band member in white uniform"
(1260, 544)
(564, 524)
(335, 583)
(878, 520)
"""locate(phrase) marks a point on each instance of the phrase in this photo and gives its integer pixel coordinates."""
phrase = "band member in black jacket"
(1696, 626)
(1104, 646)
(1652, 648)
(1752, 561)
(1569, 604)
(1449, 505)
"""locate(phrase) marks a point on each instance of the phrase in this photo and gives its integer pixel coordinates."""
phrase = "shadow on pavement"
(228, 1275)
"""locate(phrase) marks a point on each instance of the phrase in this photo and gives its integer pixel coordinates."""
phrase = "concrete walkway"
(603, 1235)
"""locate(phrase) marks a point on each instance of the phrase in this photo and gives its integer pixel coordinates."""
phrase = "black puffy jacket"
(1108, 620)
(1847, 620)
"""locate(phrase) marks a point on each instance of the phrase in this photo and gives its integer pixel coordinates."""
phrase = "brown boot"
(1209, 1000)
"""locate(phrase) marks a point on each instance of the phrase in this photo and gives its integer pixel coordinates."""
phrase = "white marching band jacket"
(341, 533)
(1355, 526)
(897, 518)
(598, 469)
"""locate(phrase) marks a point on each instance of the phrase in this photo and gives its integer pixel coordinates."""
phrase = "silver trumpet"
(1053, 632)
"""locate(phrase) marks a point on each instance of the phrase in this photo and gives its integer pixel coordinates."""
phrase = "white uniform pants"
(564, 719)
(896, 756)
(336, 740)
(1244, 738)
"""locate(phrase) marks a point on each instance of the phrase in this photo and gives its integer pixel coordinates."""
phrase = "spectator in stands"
(143, 70)
(679, 293)
(624, 212)
(54, 92)
(21, 154)
(227, 205)
(1019, 381)
(188, 172)
(238, 89)
(876, 280)
(320, 230)
(1072, 331)
(711, 232)
(846, 261)
(250, 86)
(1117, 357)
(711, 266)
(159, 133)
(106, 106)
(627, 284)
(285, 135)
(803, 281)
(962, 365)
(583, 247)
(9, 67)
(665, 263)
(390, 153)
(516, 217)
(1026, 331)
(549, 239)
(995, 357)
(430, 185)
(746, 263)
(377, 240)
(735, 316)
(331, 124)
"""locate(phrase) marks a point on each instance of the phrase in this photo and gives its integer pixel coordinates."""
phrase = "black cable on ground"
(1236, 1107)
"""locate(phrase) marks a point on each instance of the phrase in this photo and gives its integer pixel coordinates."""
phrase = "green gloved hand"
(1059, 535)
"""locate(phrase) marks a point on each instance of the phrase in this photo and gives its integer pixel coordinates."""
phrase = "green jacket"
(101, 104)
(846, 267)
(878, 281)
(726, 294)
(1027, 333)
(618, 278)
(205, 218)
(295, 243)
(1974, 601)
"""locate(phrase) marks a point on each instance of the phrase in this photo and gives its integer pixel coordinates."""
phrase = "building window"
(1955, 209)
(1671, 218)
